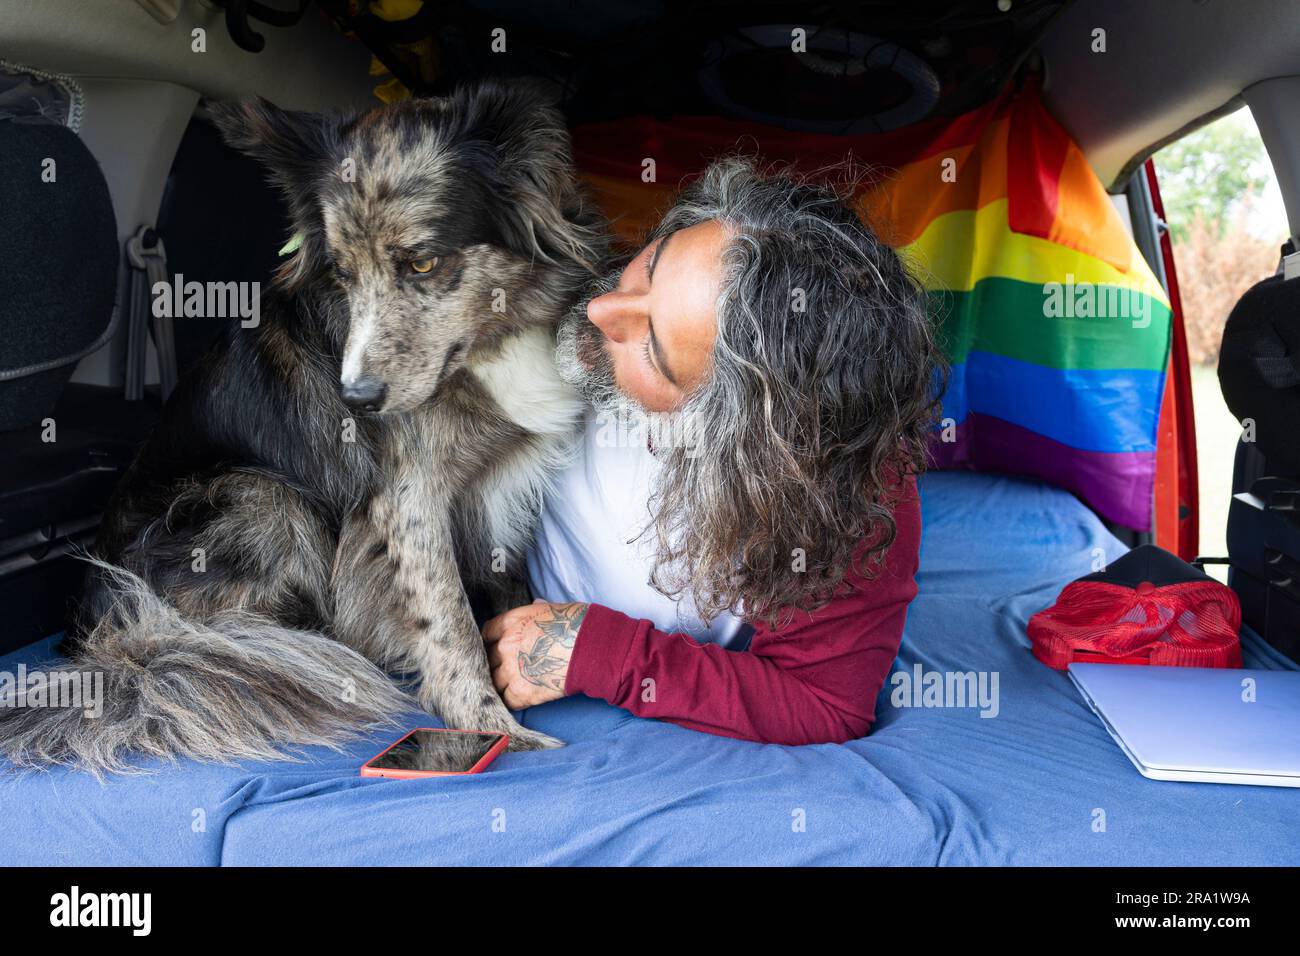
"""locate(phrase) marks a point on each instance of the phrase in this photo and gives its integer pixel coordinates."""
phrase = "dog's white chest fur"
(523, 380)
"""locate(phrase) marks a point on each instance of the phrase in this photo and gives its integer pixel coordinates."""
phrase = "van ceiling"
(307, 67)
(1169, 64)
(619, 57)
(1168, 67)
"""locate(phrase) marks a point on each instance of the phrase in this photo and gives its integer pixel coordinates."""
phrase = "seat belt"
(147, 258)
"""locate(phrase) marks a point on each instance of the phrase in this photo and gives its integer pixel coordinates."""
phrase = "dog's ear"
(296, 149)
(292, 145)
(544, 212)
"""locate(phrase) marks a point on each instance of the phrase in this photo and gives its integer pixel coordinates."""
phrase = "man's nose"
(618, 314)
(365, 394)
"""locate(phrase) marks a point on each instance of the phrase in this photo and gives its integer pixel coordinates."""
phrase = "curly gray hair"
(823, 391)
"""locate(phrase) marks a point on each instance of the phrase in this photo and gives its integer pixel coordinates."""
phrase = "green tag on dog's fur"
(293, 245)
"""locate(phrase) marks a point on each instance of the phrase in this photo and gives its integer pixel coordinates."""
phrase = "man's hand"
(529, 649)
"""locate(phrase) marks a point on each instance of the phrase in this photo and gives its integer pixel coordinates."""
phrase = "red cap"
(1167, 616)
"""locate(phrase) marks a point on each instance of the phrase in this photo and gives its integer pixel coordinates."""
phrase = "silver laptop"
(1202, 724)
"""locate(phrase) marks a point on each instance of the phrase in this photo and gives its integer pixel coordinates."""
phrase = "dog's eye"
(422, 266)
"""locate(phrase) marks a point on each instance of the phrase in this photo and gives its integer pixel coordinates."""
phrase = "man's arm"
(814, 681)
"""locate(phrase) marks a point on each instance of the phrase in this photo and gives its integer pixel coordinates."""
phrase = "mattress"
(1026, 775)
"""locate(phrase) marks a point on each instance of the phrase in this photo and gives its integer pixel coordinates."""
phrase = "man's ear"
(544, 212)
(296, 150)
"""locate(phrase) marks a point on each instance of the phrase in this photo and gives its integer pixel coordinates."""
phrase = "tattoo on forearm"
(545, 663)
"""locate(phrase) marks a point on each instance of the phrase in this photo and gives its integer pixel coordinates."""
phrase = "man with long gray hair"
(735, 547)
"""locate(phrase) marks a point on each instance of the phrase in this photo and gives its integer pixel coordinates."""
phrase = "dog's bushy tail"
(233, 687)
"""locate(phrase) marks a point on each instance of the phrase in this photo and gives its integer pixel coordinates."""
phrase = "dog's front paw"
(521, 740)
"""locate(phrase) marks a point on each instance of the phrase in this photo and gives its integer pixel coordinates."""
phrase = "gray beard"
(584, 364)
(580, 352)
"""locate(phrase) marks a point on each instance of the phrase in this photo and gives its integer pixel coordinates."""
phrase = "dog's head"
(444, 223)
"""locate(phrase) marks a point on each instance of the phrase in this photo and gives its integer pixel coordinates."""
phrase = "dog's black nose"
(366, 395)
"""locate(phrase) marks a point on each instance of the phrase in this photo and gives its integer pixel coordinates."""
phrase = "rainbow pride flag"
(1057, 331)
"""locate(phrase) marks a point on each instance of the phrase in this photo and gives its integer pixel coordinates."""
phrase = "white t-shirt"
(587, 549)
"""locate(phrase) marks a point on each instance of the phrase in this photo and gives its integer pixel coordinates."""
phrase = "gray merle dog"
(325, 491)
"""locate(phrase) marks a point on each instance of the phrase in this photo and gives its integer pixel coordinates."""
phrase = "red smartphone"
(436, 752)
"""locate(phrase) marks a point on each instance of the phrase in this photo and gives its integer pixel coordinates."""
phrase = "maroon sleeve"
(813, 681)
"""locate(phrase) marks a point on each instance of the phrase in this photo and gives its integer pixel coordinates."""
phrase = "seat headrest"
(1259, 368)
(58, 265)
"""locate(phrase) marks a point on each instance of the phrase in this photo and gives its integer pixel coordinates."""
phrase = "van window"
(1227, 223)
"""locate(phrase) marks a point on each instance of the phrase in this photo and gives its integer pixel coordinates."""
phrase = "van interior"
(1066, 101)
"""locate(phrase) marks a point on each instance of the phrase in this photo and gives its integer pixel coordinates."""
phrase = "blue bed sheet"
(1040, 782)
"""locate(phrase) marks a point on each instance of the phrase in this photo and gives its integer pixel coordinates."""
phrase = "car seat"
(1259, 372)
(63, 445)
